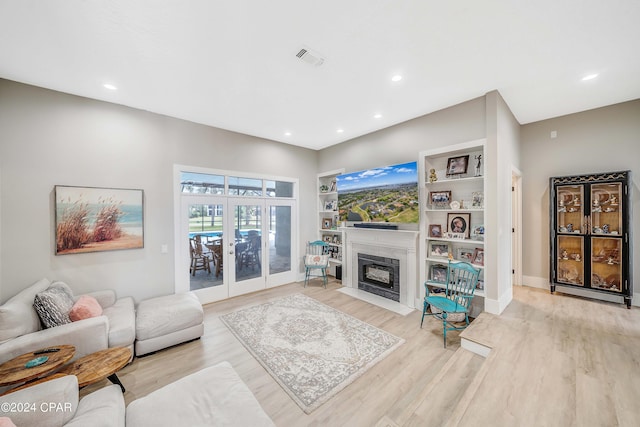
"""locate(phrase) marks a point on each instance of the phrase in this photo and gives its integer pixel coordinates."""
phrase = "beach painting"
(90, 219)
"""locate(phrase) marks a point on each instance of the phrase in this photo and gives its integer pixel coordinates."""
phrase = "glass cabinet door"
(606, 265)
(570, 260)
(606, 215)
(569, 207)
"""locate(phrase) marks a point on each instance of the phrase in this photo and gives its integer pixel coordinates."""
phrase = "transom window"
(200, 183)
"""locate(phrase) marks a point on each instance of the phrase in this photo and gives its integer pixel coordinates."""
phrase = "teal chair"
(461, 282)
(316, 261)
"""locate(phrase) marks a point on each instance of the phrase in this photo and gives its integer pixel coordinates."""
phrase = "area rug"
(312, 350)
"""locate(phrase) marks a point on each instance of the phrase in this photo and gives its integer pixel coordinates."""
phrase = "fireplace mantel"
(398, 244)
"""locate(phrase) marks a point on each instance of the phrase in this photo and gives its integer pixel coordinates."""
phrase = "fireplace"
(379, 275)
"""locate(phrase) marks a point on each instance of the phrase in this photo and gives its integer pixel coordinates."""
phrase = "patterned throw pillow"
(53, 305)
(317, 260)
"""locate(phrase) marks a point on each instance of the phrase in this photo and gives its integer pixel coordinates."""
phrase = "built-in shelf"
(478, 292)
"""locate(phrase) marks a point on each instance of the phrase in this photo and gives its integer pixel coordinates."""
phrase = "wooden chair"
(199, 260)
(462, 278)
(316, 261)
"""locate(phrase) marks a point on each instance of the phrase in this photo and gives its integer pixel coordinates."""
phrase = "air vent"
(310, 57)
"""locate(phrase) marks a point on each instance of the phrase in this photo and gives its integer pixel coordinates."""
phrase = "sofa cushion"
(17, 316)
(214, 396)
(51, 403)
(102, 408)
(122, 322)
(53, 305)
(85, 307)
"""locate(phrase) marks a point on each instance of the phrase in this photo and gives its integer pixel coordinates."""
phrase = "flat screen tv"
(385, 194)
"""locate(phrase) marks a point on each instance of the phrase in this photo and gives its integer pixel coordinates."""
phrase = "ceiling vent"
(310, 57)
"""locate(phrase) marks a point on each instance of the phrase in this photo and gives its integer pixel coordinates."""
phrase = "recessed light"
(340, 130)
(589, 77)
(377, 116)
(396, 78)
(287, 134)
(109, 86)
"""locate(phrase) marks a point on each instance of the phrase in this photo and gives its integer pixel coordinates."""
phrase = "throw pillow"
(6, 422)
(86, 307)
(317, 260)
(53, 305)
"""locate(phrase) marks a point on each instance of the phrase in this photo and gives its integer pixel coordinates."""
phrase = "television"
(385, 194)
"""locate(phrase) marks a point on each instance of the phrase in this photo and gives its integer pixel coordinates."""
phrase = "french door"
(234, 245)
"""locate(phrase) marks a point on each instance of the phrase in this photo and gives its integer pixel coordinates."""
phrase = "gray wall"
(601, 140)
(49, 138)
(402, 143)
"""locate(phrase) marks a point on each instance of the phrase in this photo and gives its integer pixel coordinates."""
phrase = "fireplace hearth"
(379, 275)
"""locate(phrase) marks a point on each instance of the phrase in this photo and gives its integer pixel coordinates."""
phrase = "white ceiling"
(232, 64)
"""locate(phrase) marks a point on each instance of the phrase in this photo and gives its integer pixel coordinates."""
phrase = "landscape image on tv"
(386, 194)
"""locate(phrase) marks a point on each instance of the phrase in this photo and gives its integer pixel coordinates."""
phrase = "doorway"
(229, 245)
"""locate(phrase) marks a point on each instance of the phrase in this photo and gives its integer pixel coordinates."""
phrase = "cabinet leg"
(553, 288)
(628, 302)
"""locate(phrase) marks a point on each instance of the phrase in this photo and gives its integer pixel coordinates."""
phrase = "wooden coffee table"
(97, 366)
(14, 371)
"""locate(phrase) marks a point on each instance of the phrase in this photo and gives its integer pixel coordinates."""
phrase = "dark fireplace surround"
(379, 276)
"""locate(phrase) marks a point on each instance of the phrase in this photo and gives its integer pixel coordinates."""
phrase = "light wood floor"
(556, 361)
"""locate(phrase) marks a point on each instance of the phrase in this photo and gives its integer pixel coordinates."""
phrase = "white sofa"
(214, 396)
(21, 330)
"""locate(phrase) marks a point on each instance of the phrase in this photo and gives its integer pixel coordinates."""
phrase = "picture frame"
(477, 199)
(95, 219)
(440, 198)
(478, 232)
(330, 205)
(439, 249)
(438, 273)
(327, 223)
(458, 222)
(457, 165)
(478, 256)
(435, 230)
(465, 254)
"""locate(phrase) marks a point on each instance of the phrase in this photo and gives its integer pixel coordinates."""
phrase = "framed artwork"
(91, 219)
(459, 223)
(439, 249)
(435, 230)
(478, 232)
(477, 199)
(478, 256)
(466, 255)
(439, 273)
(330, 205)
(327, 223)
(440, 198)
(457, 165)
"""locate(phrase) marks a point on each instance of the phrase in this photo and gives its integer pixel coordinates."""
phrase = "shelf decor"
(457, 166)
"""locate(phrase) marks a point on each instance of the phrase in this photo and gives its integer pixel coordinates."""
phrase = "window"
(245, 186)
(200, 183)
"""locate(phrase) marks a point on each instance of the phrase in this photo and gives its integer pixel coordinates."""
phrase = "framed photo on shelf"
(459, 223)
(326, 238)
(477, 199)
(439, 273)
(457, 165)
(465, 255)
(332, 187)
(330, 205)
(478, 256)
(439, 249)
(440, 199)
(478, 232)
(327, 223)
(435, 230)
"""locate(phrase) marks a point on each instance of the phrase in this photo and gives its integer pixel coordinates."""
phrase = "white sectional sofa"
(21, 330)
(213, 396)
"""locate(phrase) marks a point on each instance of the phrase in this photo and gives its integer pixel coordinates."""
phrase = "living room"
(52, 138)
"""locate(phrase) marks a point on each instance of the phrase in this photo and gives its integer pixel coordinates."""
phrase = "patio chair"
(199, 260)
(461, 282)
(316, 261)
